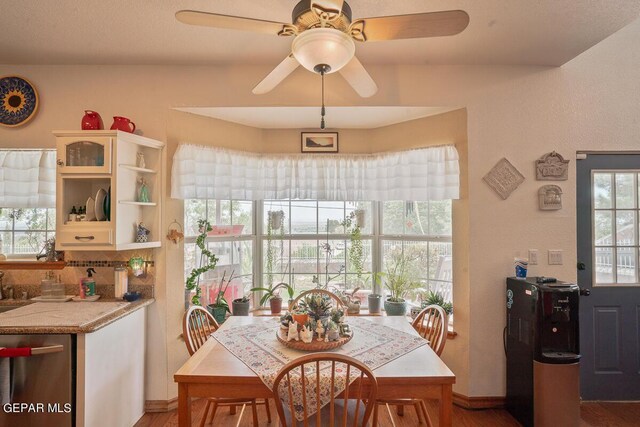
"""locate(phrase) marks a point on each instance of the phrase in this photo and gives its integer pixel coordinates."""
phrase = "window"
(421, 232)
(232, 240)
(23, 232)
(615, 227)
(313, 246)
(27, 201)
(314, 243)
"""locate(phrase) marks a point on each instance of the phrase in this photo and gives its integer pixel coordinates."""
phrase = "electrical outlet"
(533, 257)
(555, 256)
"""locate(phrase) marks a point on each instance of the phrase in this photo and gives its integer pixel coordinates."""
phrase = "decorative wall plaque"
(18, 101)
(504, 178)
(552, 167)
(550, 198)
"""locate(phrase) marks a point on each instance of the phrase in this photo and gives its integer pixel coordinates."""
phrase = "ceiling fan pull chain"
(322, 110)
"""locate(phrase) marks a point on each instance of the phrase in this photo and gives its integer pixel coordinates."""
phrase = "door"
(608, 241)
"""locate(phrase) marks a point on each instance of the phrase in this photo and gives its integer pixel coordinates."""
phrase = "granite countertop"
(65, 318)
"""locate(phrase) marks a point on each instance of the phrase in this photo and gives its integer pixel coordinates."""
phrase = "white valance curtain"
(215, 173)
(27, 178)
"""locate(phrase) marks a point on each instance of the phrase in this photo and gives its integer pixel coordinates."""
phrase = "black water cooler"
(543, 352)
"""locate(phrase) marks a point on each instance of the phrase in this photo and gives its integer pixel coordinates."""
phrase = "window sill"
(31, 265)
(451, 334)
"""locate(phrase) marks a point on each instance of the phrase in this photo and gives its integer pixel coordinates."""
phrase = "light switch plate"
(555, 256)
(533, 257)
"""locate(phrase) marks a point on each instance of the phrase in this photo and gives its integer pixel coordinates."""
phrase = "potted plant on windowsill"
(272, 293)
(220, 308)
(398, 286)
(436, 298)
(241, 306)
(375, 303)
(399, 282)
(351, 302)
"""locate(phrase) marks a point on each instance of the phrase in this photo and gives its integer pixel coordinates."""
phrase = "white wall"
(520, 113)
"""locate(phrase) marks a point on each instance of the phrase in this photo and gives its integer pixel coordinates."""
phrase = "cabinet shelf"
(134, 246)
(137, 169)
(131, 202)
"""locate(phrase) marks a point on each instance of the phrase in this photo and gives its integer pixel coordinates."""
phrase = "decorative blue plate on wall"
(18, 101)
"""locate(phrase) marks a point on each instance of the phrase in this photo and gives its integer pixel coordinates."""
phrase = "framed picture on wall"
(319, 142)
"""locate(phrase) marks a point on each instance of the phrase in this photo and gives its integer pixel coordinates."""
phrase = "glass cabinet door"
(84, 155)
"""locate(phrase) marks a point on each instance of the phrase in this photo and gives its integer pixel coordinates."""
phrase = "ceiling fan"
(324, 37)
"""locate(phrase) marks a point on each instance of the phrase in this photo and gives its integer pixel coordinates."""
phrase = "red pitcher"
(123, 124)
(91, 121)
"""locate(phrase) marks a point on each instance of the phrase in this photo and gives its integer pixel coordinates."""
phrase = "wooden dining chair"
(197, 326)
(431, 323)
(354, 407)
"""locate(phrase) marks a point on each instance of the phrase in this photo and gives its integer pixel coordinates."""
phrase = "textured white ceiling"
(540, 32)
(309, 117)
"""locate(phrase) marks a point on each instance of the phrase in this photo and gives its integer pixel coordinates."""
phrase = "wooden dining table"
(213, 371)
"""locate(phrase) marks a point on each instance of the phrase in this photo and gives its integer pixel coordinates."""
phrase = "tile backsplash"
(78, 262)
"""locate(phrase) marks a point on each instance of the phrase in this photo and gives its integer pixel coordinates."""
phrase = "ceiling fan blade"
(359, 78)
(206, 19)
(432, 24)
(276, 76)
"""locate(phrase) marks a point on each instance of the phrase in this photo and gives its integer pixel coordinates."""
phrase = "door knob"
(581, 266)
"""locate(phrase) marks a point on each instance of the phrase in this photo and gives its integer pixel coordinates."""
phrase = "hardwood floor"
(594, 414)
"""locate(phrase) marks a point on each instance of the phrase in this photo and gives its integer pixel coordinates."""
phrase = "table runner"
(257, 346)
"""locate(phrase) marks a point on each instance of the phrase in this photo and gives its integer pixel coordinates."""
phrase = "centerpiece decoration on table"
(313, 324)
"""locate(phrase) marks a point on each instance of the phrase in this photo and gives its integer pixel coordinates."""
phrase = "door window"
(615, 227)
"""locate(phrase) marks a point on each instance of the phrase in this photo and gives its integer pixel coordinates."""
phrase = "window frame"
(613, 209)
(48, 233)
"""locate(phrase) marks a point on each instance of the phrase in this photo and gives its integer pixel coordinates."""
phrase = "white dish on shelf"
(87, 299)
(91, 210)
(62, 299)
(99, 205)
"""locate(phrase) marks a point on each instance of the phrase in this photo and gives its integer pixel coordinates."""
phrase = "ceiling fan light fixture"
(323, 46)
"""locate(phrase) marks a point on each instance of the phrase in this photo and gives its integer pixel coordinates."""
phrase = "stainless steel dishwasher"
(45, 382)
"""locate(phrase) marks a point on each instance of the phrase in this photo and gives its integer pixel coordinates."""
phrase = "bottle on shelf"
(73, 214)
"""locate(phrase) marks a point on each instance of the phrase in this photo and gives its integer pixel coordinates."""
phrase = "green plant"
(244, 298)
(271, 247)
(208, 261)
(356, 249)
(399, 278)
(397, 285)
(273, 291)
(436, 298)
(220, 299)
(316, 305)
(299, 310)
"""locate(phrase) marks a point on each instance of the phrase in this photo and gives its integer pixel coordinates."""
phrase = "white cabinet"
(110, 371)
(100, 170)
